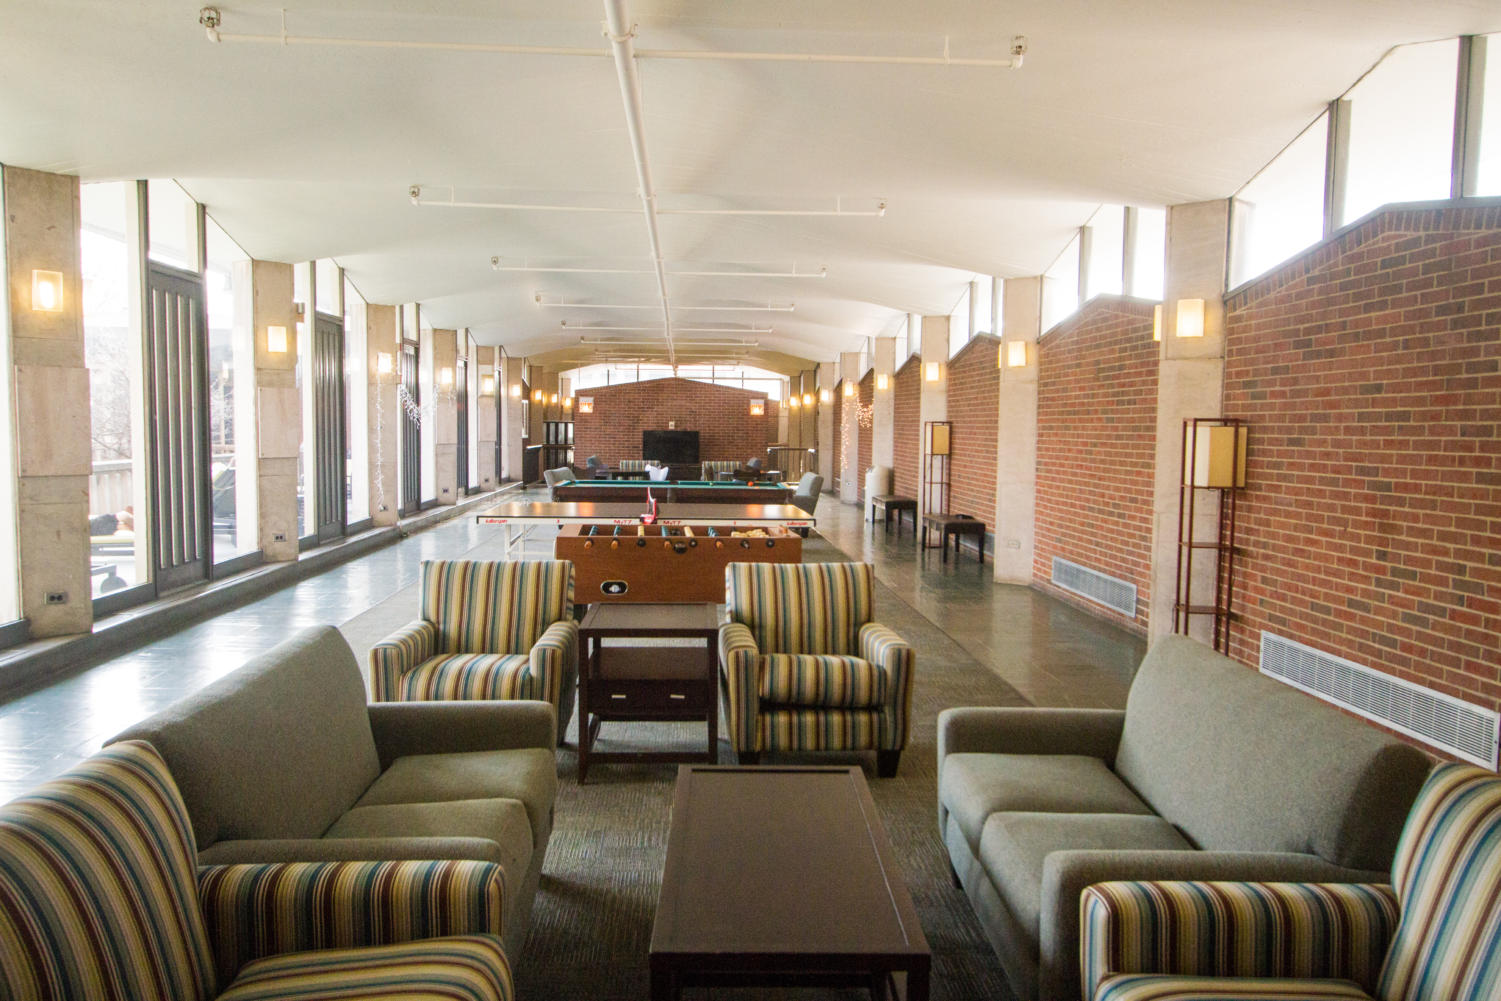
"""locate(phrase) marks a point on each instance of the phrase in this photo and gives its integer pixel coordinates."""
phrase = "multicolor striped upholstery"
(1139, 987)
(631, 465)
(1331, 931)
(253, 911)
(804, 668)
(468, 968)
(488, 631)
(98, 891)
(713, 467)
(1447, 875)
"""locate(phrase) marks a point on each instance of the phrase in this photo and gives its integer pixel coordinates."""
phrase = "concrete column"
(445, 414)
(783, 426)
(883, 415)
(1190, 383)
(52, 448)
(849, 432)
(278, 408)
(934, 404)
(512, 375)
(808, 419)
(484, 416)
(1016, 437)
(824, 415)
(384, 416)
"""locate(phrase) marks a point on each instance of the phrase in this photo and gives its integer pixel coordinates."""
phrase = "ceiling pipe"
(622, 34)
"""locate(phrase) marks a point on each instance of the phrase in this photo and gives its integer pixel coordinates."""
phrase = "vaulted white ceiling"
(303, 151)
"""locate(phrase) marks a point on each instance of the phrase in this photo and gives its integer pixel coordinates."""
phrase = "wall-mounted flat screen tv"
(671, 447)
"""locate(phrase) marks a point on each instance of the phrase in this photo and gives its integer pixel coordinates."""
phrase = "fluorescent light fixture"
(276, 339)
(47, 291)
(1190, 317)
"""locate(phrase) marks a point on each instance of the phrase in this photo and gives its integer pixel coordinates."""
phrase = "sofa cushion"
(813, 680)
(503, 821)
(1240, 762)
(457, 968)
(528, 774)
(464, 676)
(974, 786)
(278, 749)
(1014, 846)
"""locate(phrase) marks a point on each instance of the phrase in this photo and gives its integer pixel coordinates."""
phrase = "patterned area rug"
(591, 927)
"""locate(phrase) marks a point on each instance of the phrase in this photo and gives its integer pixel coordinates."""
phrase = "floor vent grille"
(1464, 730)
(1112, 592)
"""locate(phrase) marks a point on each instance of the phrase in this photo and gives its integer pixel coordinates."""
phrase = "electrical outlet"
(1013, 543)
(278, 536)
(57, 597)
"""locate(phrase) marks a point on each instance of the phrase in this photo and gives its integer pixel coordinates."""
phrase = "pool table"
(671, 492)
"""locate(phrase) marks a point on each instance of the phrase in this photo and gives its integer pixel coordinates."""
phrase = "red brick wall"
(720, 415)
(867, 397)
(1369, 370)
(973, 398)
(1096, 425)
(907, 430)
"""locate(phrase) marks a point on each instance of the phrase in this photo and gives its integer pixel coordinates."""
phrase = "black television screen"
(671, 447)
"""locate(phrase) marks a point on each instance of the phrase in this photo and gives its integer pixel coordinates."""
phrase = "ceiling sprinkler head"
(210, 18)
(495, 263)
(414, 192)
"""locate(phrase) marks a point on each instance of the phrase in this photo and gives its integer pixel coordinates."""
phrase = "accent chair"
(803, 667)
(487, 631)
(808, 489)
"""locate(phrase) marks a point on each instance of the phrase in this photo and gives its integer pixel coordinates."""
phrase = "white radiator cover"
(1442, 721)
(1112, 592)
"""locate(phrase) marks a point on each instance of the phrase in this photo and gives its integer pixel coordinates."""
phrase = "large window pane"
(959, 324)
(173, 224)
(1060, 286)
(10, 585)
(356, 405)
(230, 363)
(982, 306)
(1488, 178)
(329, 288)
(1402, 129)
(112, 352)
(1106, 251)
(1281, 210)
(1148, 254)
(426, 381)
(302, 282)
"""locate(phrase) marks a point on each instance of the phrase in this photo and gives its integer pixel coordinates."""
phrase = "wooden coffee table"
(782, 877)
(651, 683)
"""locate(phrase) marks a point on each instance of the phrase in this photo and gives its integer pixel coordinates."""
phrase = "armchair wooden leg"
(747, 757)
(886, 762)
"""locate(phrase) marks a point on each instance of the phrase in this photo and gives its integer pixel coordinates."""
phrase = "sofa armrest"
(404, 728)
(268, 909)
(1029, 730)
(740, 681)
(893, 657)
(1237, 929)
(1066, 874)
(391, 849)
(555, 662)
(397, 654)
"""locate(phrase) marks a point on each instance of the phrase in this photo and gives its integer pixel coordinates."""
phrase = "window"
(1148, 253)
(1488, 177)
(231, 363)
(357, 376)
(983, 288)
(1107, 233)
(1280, 211)
(959, 323)
(1060, 286)
(427, 382)
(302, 293)
(173, 225)
(1402, 129)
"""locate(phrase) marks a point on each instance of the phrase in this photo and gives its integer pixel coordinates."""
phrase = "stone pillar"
(512, 379)
(278, 406)
(824, 415)
(883, 406)
(445, 415)
(934, 403)
(52, 453)
(808, 420)
(849, 432)
(484, 416)
(383, 351)
(1190, 383)
(1016, 436)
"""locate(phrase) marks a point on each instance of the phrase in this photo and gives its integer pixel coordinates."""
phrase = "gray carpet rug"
(591, 926)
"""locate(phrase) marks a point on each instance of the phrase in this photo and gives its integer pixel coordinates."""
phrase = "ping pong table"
(519, 518)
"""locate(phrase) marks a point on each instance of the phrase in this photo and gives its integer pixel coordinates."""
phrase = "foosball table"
(666, 563)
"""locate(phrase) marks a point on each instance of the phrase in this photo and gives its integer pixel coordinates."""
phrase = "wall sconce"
(586, 404)
(1018, 354)
(384, 363)
(487, 385)
(849, 388)
(536, 396)
(1190, 317)
(567, 403)
(1157, 322)
(554, 400)
(792, 402)
(445, 378)
(758, 408)
(515, 390)
(276, 340)
(932, 372)
(825, 396)
(807, 399)
(882, 381)
(47, 291)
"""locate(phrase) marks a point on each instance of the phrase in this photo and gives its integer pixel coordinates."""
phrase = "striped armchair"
(709, 469)
(100, 897)
(802, 667)
(1434, 934)
(487, 631)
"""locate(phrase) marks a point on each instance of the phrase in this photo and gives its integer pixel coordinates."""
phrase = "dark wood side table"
(955, 525)
(647, 683)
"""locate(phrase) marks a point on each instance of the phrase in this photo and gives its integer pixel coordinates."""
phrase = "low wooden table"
(650, 683)
(782, 877)
(954, 525)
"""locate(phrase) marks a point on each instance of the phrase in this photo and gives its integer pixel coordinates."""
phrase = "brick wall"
(866, 394)
(973, 399)
(1369, 370)
(907, 430)
(838, 443)
(720, 415)
(1096, 424)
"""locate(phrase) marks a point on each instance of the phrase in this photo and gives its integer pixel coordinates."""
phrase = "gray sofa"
(1212, 771)
(283, 760)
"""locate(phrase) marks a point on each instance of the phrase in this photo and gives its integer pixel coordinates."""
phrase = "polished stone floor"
(1051, 652)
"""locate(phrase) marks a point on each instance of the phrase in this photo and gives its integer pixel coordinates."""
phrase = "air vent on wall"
(1464, 730)
(1112, 592)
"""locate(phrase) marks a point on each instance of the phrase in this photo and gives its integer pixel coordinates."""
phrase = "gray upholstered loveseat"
(282, 760)
(1212, 771)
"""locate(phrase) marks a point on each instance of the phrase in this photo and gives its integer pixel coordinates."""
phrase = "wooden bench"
(886, 504)
(954, 525)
